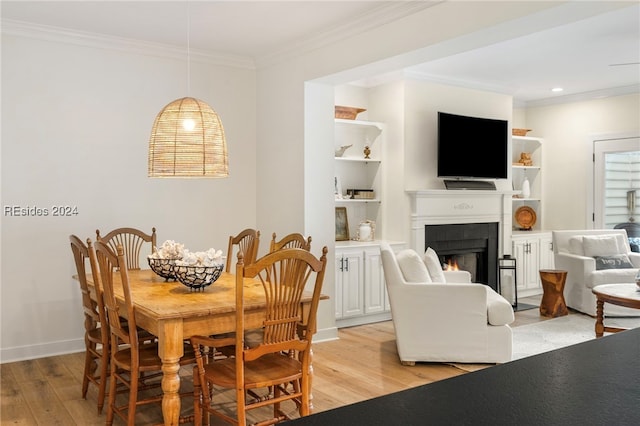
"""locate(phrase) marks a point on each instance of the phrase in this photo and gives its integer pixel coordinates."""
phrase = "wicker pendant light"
(187, 140)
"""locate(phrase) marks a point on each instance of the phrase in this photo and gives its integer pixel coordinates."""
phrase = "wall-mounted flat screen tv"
(472, 147)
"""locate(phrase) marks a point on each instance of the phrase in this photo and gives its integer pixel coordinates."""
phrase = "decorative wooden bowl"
(348, 113)
(525, 217)
(520, 132)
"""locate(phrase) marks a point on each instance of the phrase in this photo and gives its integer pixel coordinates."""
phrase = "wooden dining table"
(172, 312)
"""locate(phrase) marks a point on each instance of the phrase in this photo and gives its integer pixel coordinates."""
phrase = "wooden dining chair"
(295, 240)
(132, 241)
(134, 361)
(96, 328)
(278, 368)
(246, 242)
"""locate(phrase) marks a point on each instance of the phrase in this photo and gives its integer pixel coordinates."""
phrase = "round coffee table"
(627, 295)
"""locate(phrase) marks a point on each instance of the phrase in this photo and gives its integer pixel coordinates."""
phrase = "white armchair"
(445, 321)
(579, 251)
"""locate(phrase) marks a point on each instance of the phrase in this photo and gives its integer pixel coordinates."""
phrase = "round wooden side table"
(553, 304)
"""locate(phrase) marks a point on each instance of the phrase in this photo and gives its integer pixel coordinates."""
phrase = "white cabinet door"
(520, 253)
(532, 252)
(349, 283)
(375, 294)
(546, 252)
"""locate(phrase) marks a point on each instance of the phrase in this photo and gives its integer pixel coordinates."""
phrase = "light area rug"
(533, 339)
(551, 334)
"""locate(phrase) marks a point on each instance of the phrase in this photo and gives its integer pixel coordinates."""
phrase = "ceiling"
(579, 57)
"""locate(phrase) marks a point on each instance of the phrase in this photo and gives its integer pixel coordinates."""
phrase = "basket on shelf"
(163, 267)
(348, 113)
(197, 277)
(520, 132)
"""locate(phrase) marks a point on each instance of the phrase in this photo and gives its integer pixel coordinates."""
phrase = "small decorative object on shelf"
(366, 230)
(347, 113)
(526, 188)
(162, 260)
(361, 194)
(525, 217)
(339, 152)
(525, 159)
(520, 132)
(367, 152)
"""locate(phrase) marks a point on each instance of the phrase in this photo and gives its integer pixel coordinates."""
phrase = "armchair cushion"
(600, 245)
(412, 267)
(616, 261)
(433, 265)
(499, 311)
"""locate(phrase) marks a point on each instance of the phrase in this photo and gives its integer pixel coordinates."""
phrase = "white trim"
(41, 350)
(326, 335)
(136, 47)
(590, 164)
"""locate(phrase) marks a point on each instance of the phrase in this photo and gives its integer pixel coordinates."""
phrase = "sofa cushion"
(412, 267)
(600, 245)
(575, 246)
(433, 265)
(610, 276)
(499, 311)
(616, 261)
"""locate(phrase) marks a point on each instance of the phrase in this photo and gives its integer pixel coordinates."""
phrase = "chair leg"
(88, 360)
(133, 397)
(198, 412)
(104, 373)
(112, 394)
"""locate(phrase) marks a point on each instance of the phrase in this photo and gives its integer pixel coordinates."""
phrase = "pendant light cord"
(188, 50)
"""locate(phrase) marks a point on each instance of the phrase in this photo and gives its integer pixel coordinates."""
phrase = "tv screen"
(471, 147)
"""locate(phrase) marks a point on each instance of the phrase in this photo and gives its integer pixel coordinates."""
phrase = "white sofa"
(578, 252)
(451, 320)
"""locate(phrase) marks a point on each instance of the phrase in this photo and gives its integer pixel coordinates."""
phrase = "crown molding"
(384, 14)
(584, 96)
(136, 47)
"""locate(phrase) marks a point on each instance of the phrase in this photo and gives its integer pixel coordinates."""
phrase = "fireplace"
(482, 218)
(472, 247)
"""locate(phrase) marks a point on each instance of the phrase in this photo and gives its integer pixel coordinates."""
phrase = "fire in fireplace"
(472, 247)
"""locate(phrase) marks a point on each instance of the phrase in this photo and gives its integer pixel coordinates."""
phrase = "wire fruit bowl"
(163, 267)
(197, 277)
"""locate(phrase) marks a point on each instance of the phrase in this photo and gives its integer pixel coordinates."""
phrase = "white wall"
(568, 131)
(75, 127)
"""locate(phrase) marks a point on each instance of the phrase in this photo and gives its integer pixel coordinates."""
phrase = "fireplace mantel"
(434, 207)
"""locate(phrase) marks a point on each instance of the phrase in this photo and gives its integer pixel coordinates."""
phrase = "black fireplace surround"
(478, 239)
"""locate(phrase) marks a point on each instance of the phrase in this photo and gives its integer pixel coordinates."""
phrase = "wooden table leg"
(170, 350)
(599, 318)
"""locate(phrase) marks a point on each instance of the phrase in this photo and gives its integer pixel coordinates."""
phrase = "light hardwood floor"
(361, 365)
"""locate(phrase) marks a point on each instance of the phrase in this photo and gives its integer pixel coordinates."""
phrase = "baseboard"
(326, 335)
(363, 319)
(41, 350)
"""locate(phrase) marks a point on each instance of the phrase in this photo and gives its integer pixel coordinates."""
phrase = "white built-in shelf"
(357, 159)
(357, 200)
(526, 167)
